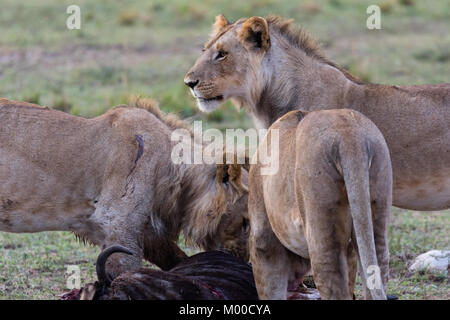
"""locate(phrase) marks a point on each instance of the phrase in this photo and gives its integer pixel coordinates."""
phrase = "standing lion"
(271, 68)
(328, 203)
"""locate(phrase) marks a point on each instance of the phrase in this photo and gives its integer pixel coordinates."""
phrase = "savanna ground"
(146, 47)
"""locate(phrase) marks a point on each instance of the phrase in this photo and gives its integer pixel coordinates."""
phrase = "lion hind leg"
(352, 263)
(381, 201)
(328, 229)
(328, 249)
(381, 243)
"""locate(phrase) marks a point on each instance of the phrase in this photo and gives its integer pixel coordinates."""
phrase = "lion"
(110, 180)
(328, 204)
(271, 68)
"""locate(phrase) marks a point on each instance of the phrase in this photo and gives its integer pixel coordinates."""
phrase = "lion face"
(228, 62)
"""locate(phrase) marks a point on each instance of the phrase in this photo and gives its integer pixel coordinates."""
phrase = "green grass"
(145, 47)
(33, 266)
(411, 234)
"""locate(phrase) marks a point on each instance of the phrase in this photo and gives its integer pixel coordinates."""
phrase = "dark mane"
(301, 39)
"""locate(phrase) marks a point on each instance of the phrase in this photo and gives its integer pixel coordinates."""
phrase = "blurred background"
(146, 47)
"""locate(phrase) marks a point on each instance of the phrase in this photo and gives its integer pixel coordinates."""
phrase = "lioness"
(329, 202)
(270, 68)
(111, 180)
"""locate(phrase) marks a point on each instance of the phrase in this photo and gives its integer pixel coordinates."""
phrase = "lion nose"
(191, 83)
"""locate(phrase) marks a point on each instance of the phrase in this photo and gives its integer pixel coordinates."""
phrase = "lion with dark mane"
(111, 180)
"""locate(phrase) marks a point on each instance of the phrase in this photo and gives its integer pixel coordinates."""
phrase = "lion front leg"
(164, 253)
(268, 256)
(120, 224)
(269, 262)
(118, 262)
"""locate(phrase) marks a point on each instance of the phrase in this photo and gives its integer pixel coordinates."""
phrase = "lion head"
(220, 220)
(232, 232)
(229, 61)
(207, 203)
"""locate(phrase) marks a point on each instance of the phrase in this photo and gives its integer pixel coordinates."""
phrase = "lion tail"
(358, 192)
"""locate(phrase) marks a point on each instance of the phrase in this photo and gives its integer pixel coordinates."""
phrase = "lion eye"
(220, 55)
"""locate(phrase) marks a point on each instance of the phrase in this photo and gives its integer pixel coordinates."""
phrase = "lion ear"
(231, 173)
(234, 174)
(220, 23)
(255, 33)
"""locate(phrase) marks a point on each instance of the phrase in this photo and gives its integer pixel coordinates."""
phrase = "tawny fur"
(111, 180)
(329, 200)
(292, 73)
